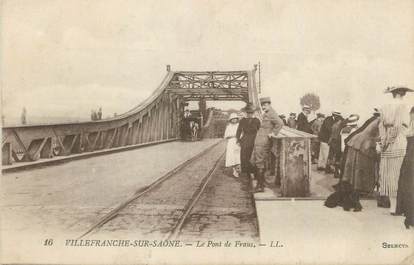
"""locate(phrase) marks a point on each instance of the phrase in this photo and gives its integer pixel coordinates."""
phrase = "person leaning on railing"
(270, 126)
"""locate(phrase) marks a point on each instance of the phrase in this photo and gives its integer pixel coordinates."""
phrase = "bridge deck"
(70, 197)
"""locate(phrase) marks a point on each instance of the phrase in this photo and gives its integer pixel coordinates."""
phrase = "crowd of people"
(375, 159)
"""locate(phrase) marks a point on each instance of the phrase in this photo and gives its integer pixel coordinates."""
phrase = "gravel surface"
(154, 214)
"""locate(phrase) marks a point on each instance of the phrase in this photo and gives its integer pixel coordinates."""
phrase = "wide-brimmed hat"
(265, 100)
(337, 113)
(396, 89)
(249, 108)
(233, 116)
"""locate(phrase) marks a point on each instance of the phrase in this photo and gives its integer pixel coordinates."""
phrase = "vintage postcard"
(207, 132)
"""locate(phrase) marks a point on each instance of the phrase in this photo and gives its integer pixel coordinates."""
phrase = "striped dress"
(393, 145)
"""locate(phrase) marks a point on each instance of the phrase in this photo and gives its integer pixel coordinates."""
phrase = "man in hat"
(317, 123)
(324, 135)
(246, 134)
(186, 125)
(270, 126)
(315, 144)
(303, 122)
(292, 120)
(335, 145)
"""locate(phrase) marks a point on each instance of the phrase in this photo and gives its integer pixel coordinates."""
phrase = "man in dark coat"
(270, 126)
(315, 144)
(245, 135)
(303, 123)
(334, 143)
(324, 136)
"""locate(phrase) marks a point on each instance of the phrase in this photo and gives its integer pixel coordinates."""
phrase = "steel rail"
(113, 213)
(193, 201)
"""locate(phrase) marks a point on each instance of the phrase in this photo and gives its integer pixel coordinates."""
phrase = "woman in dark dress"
(360, 161)
(246, 134)
(405, 195)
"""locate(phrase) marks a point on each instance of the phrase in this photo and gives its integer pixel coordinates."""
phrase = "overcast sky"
(62, 58)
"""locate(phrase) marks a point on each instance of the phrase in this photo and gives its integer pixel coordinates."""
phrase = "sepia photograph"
(207, 132)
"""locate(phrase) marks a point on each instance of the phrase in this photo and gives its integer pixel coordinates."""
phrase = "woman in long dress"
(232, 148)
(405, 196)
(361, 157)
(394, 119)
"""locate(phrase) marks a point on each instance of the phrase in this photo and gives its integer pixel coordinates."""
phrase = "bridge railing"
(154, 120)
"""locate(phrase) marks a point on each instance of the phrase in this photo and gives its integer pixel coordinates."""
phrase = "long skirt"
(405, 196)
(323, 155)
(360, 170)
(232, 152)
(389, 172)
(246, 149)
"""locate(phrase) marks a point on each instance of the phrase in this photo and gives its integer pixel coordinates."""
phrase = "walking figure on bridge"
(232, 148)
(246, 134)
(270, 126)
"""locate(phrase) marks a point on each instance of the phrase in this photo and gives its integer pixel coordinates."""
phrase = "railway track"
(162, 208)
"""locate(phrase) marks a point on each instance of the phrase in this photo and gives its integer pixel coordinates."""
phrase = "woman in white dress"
(394, 120)
(232, 149)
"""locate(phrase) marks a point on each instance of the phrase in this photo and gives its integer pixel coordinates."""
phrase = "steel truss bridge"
(155, 120)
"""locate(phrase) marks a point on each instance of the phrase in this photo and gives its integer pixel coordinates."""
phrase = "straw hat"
(352, 119)
(306, 107)
(398, 89)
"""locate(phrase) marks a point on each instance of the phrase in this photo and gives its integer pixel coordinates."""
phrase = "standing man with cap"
(270, 126)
